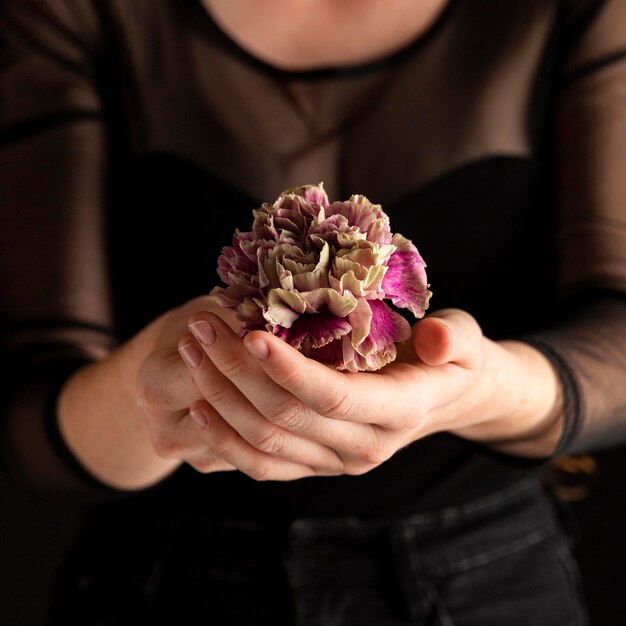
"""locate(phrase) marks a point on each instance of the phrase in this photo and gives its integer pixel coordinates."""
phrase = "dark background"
(33, 537)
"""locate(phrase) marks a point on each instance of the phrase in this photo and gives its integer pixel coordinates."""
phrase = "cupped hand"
(164, 390)
(275, 414)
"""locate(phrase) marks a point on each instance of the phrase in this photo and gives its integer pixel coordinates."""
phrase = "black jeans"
(503, 560)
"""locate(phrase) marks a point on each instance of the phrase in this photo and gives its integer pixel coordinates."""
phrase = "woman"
(235, 480)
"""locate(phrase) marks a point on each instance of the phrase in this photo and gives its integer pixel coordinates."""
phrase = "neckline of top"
(208, 22)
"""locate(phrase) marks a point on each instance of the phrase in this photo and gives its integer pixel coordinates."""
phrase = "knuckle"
(232, 368)
(366, 461)
(150, 392)
(269, 441)
(150, 397)
(204, 466)
(164, 446)
(370, 455)
(338, 405)
(222, 446)
(213, 394)
(260, 472)
(373, 457)
(291, 415)
(357, 468)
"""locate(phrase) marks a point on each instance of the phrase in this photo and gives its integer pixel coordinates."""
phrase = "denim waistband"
(443, 541)
(414, 552)
(451, 539)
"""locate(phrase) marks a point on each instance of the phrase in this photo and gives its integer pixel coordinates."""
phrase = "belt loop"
(402, 536)
(436, 602)
(421, 598)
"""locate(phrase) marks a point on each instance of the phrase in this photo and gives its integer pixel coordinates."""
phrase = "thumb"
(448, 336)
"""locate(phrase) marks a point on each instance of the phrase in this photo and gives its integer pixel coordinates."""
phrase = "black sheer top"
(135, 136)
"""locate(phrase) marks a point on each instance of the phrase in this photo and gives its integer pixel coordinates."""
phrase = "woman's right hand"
(164, 389)
(126, 418)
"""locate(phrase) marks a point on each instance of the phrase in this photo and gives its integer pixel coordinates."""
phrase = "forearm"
(105, 428)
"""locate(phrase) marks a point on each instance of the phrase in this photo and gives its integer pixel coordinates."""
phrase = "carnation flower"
(316, 274)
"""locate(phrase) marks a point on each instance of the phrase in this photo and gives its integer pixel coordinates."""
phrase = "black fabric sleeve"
(55, 313)
(588, 345)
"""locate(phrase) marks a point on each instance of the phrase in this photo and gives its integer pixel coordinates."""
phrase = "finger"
(316, 387)
(226, 443)
(398, 398)
(364, 398)
(448, 336)
(243, 416)
(296, 389)
(200, 455)
(299, 415)
(200, 436)
(207, 462)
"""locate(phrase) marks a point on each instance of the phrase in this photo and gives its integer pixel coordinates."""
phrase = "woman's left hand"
(449, 377)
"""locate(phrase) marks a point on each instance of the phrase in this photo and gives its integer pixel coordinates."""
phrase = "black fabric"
(504, 559)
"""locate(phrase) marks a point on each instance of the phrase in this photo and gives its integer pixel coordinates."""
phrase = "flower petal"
(315, 331)
(233, 295)
(360, 319)
(311, 193)
(331, 354)
(386, 327)
(405, 281)
(284, 307)
(338, 304)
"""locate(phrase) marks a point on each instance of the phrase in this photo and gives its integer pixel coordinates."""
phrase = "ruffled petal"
(331, 354)
(386, 327)
(284, 307)
(405, 281)
(233, 295)
(360, 319)
(315, 331)
(315, 274)
(315, 194)
(339, 304)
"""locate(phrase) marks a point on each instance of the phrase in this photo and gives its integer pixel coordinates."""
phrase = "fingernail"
(258, 349)
(204, 332)
(198, 418)
(191, 354)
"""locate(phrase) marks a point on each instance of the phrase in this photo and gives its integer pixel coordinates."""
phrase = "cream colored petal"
(360, 319)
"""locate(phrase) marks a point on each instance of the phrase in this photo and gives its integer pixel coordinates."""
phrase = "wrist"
(521, 411)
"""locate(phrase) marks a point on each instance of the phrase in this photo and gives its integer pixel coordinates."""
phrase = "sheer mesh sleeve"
(54, 304)
(589, 347)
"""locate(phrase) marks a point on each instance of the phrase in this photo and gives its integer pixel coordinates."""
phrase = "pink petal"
(315, 331)
(386, 327)
(311, 193)
(330, 354)
(405, 282)
(368, 217)
(240, 258)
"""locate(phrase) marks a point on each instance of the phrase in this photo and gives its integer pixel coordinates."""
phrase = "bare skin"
(169, 396)
(305, 34)
(256, 404)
